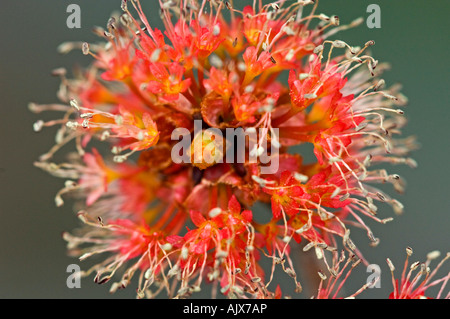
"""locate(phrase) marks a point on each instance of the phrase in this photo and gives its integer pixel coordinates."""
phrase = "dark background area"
(413, 37)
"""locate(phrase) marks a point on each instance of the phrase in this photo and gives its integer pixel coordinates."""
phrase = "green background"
(413, 37)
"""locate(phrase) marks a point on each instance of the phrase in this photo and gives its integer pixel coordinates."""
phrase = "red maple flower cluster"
(262, 68)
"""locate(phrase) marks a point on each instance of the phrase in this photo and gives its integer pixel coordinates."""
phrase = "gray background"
(413, 38)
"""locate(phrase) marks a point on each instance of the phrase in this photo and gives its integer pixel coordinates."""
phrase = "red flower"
(214, 67)
(287, 195)
(169, 82)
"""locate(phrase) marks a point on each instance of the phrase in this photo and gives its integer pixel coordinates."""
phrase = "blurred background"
(413, 37)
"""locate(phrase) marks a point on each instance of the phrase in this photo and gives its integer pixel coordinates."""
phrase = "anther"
(303, 76)
(70, 184)
(59, 201)
(59, 72)
(350, 244)
(356, 263)
(339, 44)
(367, 160)
(85, 48)
(319, 252)
(33, 107)
(409, 251)
(166, 246)
(141, 135)
(308, 246)
(108, 35)
(286, 239)
(262, 182)
(390, 264)
(85, 123)
(388, 147)
(224, 289)
(73, 103)
(173, 271)
(276, 144)
(148, 274)
(334, 20)
(387, 220)
(86, 115)
(356, 22)
(38, 125)
(275, 6)
(222, 254)
(310, 96)
(415, 265)
(184, 253)
(125, 19)
(333, 272)
(302, 229)
(124, 6)
(119, 158)
(72, 125)
(373, 208)
(433, 255)
(318, 49)
(215, 212)
(116, 150)
(183, 291)
(379, 85)
(334, 159)
(247, 268)
(118, 119)
(105, 135)
(216, 61)
(290, 272)
(111, 23)
(289, 30)
(381, 196)
(300, 177)
(322, 275)
(411, 162)
(324, 17)
(216, 30)
(65, 47)
(82, 216)
(397, 206)
(389, 96)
